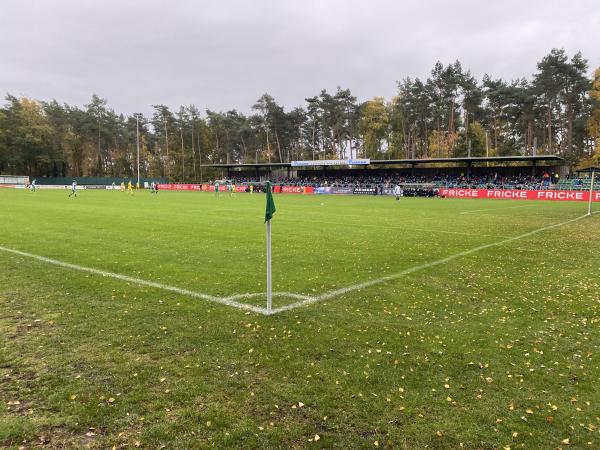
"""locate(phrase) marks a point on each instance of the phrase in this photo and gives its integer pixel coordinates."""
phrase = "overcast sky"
(225, 54)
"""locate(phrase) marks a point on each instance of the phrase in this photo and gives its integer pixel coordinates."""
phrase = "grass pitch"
(496, 348)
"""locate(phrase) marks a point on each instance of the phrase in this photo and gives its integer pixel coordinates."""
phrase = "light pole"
(137, 132)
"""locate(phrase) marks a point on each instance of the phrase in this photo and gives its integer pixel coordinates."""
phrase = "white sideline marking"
(493, 209)
(354, 287)
(139, 281)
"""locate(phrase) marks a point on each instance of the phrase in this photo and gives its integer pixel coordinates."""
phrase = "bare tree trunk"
(466, 119)
(335, 148)
(245, 149)
(299, 152)
(199, 155)
(549, 128)
(451, 124)
(426, 143)
(98, 157)
(495, 131)
(439, 135)
(314, 143)
(182, 158)
(193, 154)
(351, 131)
(268, 147)
(451, 127)
(167, 175)
(278, 146)
(569, 127)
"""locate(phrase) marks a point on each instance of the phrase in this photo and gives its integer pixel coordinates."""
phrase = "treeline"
(449, 114)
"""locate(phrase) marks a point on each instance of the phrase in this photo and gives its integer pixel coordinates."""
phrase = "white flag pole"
(269, 280)
(591, 193)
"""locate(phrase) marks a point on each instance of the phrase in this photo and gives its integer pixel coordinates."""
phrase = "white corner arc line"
(211, 298)
(264, 294)
(354, 287)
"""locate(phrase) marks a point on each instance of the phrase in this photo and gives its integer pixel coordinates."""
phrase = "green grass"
(497, 348)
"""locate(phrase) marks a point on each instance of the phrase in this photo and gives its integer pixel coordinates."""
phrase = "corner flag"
(270, 210)
(270, 203)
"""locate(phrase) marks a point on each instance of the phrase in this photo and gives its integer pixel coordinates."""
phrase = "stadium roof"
(589, 170)
(413, 162)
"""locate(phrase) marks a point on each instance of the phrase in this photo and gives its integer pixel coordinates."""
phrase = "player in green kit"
(216, 188)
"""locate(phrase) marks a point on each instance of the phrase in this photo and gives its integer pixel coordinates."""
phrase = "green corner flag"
(270, 203)
(268, 216)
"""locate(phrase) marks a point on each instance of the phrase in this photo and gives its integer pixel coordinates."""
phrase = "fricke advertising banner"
(513, 194)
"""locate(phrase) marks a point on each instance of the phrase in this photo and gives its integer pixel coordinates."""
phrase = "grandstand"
(541, 172)
(526, 168)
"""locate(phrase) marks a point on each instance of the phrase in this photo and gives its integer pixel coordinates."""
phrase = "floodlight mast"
(591, 192)
(137, 133)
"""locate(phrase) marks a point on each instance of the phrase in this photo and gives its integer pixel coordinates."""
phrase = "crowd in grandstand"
(495, 181)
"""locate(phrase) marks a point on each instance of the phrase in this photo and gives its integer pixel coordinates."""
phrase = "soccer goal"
(593, 195)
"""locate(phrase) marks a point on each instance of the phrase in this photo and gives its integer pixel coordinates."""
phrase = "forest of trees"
(449, 114)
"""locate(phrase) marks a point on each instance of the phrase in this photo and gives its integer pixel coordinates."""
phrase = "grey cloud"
(225, 54)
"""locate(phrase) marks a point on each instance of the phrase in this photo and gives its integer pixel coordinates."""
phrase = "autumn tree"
(593, 123)
(374, 127)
